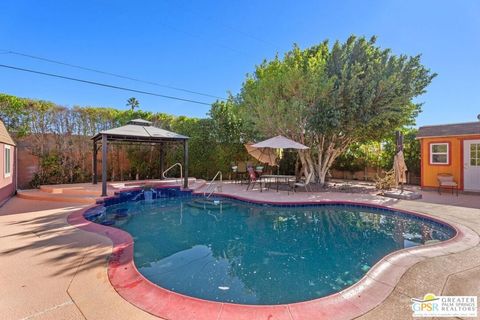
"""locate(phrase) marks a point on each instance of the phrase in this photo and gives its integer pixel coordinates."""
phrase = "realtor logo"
(444, 306)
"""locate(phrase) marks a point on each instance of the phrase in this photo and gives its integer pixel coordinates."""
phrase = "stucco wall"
(429, 172)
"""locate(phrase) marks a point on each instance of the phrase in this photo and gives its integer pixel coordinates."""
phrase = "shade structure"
(400, 168)
(280, 142)
(264, 155)
(137, 131)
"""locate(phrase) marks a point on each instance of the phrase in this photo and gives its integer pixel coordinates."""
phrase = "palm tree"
(133, 103)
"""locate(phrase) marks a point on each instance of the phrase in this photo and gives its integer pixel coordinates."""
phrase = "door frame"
(462, 159)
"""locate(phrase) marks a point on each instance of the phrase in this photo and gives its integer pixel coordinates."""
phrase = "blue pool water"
(237, 252)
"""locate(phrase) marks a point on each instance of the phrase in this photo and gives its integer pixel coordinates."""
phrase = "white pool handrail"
(212, 183)
(171, 167)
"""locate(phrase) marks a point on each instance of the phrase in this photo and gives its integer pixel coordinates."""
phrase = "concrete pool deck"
(51, 270)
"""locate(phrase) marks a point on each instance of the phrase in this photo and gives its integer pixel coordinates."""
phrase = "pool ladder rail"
(170, 168)
(213, 185)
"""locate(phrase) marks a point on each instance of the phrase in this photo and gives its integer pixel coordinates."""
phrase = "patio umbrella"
(400, 168)
(280, 142)
(264, 155)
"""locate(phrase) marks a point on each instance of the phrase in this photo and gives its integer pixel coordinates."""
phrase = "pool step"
(210, 204)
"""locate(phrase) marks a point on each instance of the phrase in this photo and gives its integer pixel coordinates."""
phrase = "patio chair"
(304, 183)
(242, 167)
(242, 174)
(446, 181)
(259, 170)
(234, 173)
(252, 178)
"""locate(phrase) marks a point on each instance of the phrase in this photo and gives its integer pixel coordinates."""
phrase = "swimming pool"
(245, 253)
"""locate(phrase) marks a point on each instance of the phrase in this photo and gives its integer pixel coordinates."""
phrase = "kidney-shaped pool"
(233, 251)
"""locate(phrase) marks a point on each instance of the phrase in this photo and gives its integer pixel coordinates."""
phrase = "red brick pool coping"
(364, 295)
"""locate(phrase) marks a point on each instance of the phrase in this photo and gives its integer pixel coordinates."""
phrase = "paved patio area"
(51, 270)
(88, 193)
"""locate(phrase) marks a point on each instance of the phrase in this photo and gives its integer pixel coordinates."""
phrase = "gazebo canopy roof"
(139, 130)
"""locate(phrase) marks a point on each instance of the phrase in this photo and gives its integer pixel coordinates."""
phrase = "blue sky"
(209, 46)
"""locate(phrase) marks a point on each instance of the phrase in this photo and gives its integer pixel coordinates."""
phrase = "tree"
(13, 113)
(228, 133)
(227, 124)
(359, 156)
(133, 103)
(329, 98)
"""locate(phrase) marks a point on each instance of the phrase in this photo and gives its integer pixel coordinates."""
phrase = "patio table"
(277, 179)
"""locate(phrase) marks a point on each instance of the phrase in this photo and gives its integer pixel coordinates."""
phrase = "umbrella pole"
(399, 142)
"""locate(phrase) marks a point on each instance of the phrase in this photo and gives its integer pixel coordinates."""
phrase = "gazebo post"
(104, 165)
(94, 163)
(185, 163)
(162, 160)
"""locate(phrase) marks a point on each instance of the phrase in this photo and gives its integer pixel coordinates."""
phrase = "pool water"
(233, 251)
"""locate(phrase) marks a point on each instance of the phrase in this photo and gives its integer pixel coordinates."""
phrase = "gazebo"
(136, 131)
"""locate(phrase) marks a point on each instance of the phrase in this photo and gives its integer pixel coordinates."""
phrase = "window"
(475, 154)
(7, 162)
(439, 153)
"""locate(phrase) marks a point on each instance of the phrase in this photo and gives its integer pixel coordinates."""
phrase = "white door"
(471, 165)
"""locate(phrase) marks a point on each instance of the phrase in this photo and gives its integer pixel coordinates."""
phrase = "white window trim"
(5, 174)
(447, 153)
(477, 145)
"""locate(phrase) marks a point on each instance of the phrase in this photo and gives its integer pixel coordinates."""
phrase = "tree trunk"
(298, 168)
(325, 160)
(307, 163)
(321, 176)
